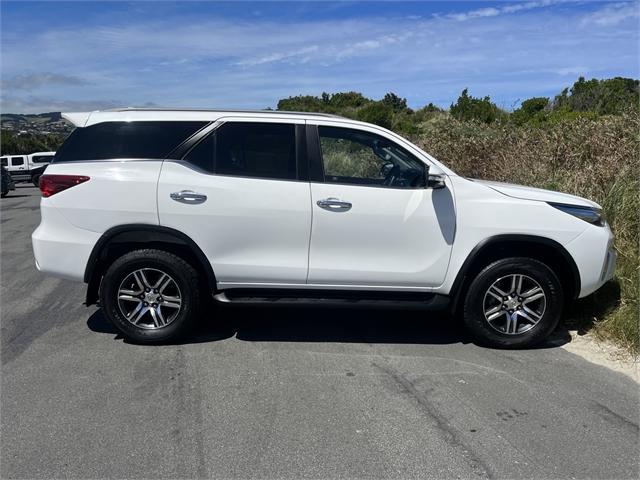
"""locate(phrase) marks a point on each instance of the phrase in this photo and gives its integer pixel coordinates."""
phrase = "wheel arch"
(546, 250)
(122, 239)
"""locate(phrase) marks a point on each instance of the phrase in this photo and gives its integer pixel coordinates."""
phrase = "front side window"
(17, 161)
(262, 150)
(362, 158)
(126, 140)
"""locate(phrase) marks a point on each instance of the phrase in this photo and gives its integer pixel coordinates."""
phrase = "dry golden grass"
(597, 159)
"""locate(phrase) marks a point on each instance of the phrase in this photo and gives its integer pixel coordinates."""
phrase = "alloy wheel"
(149, 298)
(514, 304)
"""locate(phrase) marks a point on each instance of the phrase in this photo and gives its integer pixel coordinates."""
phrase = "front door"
(375, 223)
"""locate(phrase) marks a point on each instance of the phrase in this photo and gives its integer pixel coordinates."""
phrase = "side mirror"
(434, 181)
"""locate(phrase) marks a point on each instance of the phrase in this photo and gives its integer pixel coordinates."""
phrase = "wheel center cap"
(151, 297)
(512, 303)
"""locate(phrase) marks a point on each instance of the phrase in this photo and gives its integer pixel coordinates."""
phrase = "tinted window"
(125, 140)
(201, 155)
(266, 150)
(42, 158)
(363, 158)
(17, 161)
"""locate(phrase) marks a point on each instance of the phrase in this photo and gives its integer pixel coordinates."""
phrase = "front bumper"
(595, 258)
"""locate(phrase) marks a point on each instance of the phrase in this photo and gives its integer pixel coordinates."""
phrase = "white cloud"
(507, 9)
(32, 81)
(613, 15)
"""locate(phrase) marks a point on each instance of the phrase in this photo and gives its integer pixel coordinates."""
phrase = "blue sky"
(89, 55)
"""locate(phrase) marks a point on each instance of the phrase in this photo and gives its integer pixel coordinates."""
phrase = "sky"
(78, 56)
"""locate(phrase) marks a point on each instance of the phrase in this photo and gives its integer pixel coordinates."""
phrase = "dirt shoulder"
(604, 353)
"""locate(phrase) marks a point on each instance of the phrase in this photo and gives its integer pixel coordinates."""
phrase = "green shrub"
(471, 108)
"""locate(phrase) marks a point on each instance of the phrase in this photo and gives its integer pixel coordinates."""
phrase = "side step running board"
(334, 299)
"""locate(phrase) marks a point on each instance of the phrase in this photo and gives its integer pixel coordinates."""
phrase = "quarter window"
(42, 158)
(263, 150)
(125, 140)
(362, 158)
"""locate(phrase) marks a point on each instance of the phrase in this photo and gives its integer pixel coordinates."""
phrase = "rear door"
(242, 196)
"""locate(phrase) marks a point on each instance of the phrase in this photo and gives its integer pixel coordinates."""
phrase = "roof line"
(218, 110)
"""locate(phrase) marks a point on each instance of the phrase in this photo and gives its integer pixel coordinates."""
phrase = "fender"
(509, 240)
(144, 233)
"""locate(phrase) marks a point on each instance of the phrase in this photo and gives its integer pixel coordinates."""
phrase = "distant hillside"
(41, 123)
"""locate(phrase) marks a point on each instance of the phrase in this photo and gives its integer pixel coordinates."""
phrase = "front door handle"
(334, 205)
(189, 197)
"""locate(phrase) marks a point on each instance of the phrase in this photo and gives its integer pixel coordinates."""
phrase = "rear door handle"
(334, 205)
(189, 197)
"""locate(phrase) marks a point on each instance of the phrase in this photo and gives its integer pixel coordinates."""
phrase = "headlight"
(588, 214)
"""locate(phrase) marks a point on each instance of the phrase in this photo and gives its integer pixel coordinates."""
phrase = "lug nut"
(155, 290)
(154, 305)
(146, 304)
(147, 290)
(160, 299)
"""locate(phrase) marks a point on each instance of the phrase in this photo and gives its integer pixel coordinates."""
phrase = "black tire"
(495, 336)
(181, 272)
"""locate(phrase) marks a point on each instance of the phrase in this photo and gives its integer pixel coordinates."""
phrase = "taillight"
(52, 184)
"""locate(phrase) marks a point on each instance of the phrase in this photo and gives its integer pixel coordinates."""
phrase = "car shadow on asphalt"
(312, 324)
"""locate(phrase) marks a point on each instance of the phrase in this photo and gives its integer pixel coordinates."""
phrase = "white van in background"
(27, 167)
(17, 166)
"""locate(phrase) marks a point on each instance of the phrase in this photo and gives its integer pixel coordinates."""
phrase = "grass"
(596, 158)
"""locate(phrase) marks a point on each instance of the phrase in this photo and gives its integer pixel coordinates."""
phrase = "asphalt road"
(289, 393)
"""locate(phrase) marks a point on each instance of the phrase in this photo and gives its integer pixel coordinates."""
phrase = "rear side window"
(17, 161)
(125, 140)
(262, 150)
(42, 158)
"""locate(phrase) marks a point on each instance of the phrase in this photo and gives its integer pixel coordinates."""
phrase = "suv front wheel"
(513, 303)
(150, 295)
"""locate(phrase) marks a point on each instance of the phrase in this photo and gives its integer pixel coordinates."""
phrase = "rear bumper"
(61, 249)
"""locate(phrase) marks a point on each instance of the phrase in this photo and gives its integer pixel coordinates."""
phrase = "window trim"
(317, 163)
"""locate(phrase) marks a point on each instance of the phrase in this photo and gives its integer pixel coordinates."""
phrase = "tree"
(602, 97)
(530, 109)
(470, 108)
(376, 112)
(348, 100)
(303, 103)
(396, 103)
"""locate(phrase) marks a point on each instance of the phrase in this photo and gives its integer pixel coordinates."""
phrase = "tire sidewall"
(474, 303)
(131, 262)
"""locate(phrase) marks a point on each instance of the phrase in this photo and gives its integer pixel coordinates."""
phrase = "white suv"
(157, 209)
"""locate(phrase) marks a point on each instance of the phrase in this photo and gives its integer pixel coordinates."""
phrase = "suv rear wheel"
(513, 303)
(150, 295)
